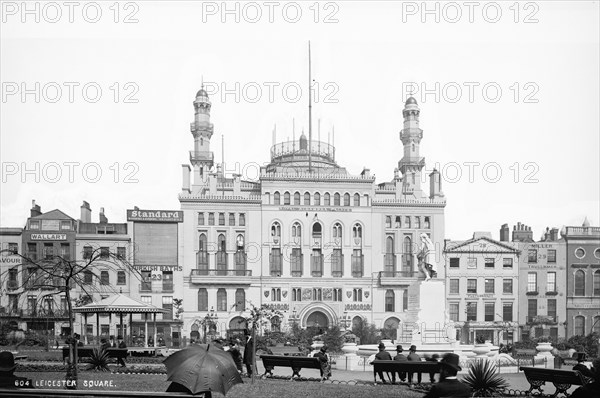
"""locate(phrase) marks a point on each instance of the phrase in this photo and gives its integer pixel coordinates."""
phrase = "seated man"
(449, 386)
(584, 370)
(400, 357)
(592, 389)
(7, 369)
(385, 356)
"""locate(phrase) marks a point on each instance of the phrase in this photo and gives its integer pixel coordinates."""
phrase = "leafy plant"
(367, 333)
(99, 360)
(333, 339)
(483, 379)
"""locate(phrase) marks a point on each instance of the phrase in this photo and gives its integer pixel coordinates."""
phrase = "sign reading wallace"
(155, 215)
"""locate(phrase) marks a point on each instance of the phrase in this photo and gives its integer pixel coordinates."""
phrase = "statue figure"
(426, 257)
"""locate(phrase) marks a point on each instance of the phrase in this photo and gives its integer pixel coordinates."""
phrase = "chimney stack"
(504, 233)
(523, 233)
(86, 212)
(554, 234)
(103, 219)
(36, 210)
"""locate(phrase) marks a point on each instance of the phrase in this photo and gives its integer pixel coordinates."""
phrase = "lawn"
(260, 388)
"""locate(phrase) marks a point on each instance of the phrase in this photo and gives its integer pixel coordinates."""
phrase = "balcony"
(202, 157)
(395, 278)
(532, 292)
(542, 319)
(220, 277)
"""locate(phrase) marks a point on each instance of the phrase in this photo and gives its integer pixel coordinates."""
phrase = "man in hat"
(433, 358)
(383, 355)
(121, 344)
(324, 360)
(580, 366)
(413, 356)
(449, 386)
(249, 352)
(592, 389)
(236, 355)
(7, 369)
(400, 357)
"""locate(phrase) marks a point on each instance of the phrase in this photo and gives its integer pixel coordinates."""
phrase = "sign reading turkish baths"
(48, 236)
(158, 268)
(155, 215)
(304, 208)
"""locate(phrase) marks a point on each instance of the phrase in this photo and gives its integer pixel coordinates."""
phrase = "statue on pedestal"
(426, 257)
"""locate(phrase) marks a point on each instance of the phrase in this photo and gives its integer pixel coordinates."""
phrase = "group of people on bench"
(104, 344)
(400, 357)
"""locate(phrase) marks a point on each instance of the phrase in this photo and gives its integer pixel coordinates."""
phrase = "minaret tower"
(202, 130)
(411, 163)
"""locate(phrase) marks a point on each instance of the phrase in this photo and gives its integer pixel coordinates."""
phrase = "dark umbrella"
(203, 367)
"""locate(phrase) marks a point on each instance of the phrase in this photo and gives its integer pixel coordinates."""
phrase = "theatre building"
(583, 279)
(482, 288)
(159, 279)
(321, 245)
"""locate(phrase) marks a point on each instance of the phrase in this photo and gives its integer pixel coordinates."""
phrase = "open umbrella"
(203, 367)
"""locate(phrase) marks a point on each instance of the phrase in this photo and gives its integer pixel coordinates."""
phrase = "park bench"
(404, 366)
(289, 350)
(47, 393)
(86, 352)
(562, 379)
(296, 363)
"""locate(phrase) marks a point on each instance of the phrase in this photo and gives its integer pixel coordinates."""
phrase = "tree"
(259, 316)
(366, 332)
(55, 274)
(333, 339)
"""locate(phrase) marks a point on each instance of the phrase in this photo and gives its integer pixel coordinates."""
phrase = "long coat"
(248, 352)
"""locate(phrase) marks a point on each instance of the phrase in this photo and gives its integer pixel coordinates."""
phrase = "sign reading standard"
(155, 215)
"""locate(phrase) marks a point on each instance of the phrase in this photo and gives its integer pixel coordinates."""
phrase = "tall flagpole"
(309, 114)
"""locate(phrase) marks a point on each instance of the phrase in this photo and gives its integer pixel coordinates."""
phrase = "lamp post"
(208, 320)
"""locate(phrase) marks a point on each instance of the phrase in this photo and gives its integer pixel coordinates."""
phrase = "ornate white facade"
(319, 244)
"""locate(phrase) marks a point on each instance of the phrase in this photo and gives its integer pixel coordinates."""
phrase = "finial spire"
(309, 113)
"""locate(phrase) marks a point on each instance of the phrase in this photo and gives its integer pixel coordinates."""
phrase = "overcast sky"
(512, 89)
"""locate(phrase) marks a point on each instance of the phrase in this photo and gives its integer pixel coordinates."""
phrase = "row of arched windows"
(317, 230)
(409, 222)
(580, 283)
(240, 300)
(579, 327)
(317, 200)
(221, 243)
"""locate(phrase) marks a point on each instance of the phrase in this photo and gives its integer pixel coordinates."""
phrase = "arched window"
(407, 245)
(286, 198)
(276, 229)
(357, 231)
(336, 199)
(390, 299)
(202, 243)
(388, 221)
(398, 223)
(202, 299)
(389, 245)
(327, 199)
(222, 243)
(317, 199)
(579, 327)
(337, 230)
(596, 283)
(356, 200)
(579, 283)
(277, 198)
(407, 222)
(306, 199)
(239, 242)
(418, 222)
(317, 230)
(346, 199)
(427, 223)
(275, 324)
(231, 219)
(296, 230)
(297, 199)
(366, 200)
(221, 300)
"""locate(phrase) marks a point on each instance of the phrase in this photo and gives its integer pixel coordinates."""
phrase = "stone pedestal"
(544, 354)
(427, 309)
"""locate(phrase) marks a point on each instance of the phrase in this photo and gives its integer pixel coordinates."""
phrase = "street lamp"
(208, 321)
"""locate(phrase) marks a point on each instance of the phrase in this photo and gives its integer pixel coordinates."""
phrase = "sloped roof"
(52, 215)
(119, 304)
(457, 245)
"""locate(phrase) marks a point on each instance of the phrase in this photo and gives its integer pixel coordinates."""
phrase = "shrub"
(483, 380)
(99, 360)
(367, 333)
(333, 339)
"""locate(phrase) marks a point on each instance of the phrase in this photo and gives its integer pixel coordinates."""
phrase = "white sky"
(368, 55)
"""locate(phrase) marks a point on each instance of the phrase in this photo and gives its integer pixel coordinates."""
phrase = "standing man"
(249, 353)
(400, 357)
(383, 355)
(449, 386)
(413, 356)
(121, 345)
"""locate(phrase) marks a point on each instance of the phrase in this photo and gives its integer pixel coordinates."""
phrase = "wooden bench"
(404, 366)
(86, 352)
(296, 363)
(289, 350)
(562, 379)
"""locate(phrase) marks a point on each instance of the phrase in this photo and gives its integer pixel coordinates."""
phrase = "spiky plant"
(483, 380)
(99, 360)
